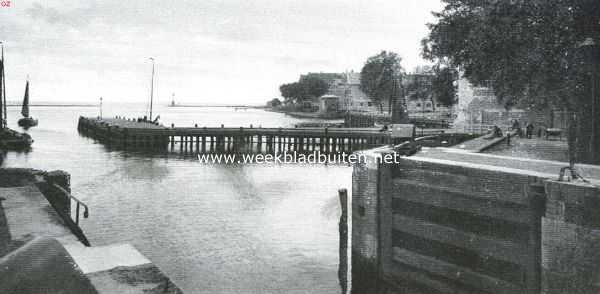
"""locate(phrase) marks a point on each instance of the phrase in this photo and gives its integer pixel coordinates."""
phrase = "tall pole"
(4, 111)
(151, 89)
(343, 253)
(100, 107)
(1, 89)
(594, 97)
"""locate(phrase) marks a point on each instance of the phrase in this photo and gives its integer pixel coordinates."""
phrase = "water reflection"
(213, 228)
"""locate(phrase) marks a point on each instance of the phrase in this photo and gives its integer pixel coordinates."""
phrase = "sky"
(206, 52)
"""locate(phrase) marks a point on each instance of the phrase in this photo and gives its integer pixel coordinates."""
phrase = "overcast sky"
(207, 51)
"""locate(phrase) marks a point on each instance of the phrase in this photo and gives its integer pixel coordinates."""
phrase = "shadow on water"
(179, 152)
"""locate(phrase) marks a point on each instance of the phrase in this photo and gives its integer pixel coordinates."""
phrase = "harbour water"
(211, 228)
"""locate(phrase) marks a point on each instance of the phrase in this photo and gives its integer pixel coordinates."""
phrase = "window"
(418, 104)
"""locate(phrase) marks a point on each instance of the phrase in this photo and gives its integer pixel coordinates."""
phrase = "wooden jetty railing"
(202, 139)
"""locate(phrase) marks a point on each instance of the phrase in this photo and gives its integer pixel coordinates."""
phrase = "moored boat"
(27, 121)
(9, 139)
(13, 140)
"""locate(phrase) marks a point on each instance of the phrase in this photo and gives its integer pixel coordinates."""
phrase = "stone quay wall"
(44, 180)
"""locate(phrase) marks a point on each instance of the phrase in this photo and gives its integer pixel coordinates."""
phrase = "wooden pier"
(133, 134)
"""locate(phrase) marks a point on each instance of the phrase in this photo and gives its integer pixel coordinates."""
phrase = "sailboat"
(9, 139)
(26, 121)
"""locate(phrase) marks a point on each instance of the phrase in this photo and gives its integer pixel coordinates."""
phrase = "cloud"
(76, 49)
(52, 16)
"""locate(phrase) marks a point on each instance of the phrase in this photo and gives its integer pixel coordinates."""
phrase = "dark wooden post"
(537, 200)
(279, 143)
(343, 229)
(334, 144)
(326, 141)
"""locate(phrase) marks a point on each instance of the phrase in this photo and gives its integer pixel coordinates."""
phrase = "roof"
(329, 97)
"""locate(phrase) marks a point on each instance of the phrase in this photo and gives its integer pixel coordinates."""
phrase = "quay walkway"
(40, 253)
(128, 133)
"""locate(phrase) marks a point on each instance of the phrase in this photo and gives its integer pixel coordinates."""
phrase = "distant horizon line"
(70, 104)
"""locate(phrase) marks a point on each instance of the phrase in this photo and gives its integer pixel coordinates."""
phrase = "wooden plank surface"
(485, 246)
(454, 272)
(483, 183)
(399, 271)
(458, 199)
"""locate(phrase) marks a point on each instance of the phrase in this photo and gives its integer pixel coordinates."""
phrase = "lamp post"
(100, 107)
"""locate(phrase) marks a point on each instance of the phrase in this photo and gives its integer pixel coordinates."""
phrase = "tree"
(529, 51)
(379, 77)
(443, 87)
(314, 86)
(308, 87)
(292, 92)
(274, 102)
(419, 87)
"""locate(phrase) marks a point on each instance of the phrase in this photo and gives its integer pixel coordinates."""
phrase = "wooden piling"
(343, 250)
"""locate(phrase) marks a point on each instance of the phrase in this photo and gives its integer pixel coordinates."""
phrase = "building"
(345, 87)
(479, 106)
(332, 79)
(351, 97)
(354, 99)
(329, 104)
(420, 100)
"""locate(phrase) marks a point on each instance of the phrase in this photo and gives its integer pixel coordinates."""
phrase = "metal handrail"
(79, 203)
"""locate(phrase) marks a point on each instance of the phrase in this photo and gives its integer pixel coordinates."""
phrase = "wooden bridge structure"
(133, 134)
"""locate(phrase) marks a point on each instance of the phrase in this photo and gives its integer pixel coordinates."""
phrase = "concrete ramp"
(120, 268)
(28, 212)
(42, 265)
(481, 143)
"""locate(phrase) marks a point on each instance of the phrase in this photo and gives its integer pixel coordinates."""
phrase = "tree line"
(381, 78)
(534, 53)
(308, 87)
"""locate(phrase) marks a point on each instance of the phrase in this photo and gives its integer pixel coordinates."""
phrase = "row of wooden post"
(273, 143)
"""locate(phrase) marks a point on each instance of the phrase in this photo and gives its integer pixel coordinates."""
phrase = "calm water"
(211, 228)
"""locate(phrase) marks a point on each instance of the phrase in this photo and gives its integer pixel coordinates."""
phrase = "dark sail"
(25, 109)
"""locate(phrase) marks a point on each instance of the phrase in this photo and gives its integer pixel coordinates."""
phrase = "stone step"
(120, 268)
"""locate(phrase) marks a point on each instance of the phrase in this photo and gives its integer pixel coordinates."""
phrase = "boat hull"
(12, 140)
(27, 122)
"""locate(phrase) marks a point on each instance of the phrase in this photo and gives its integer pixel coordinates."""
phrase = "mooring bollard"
(343, 229)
